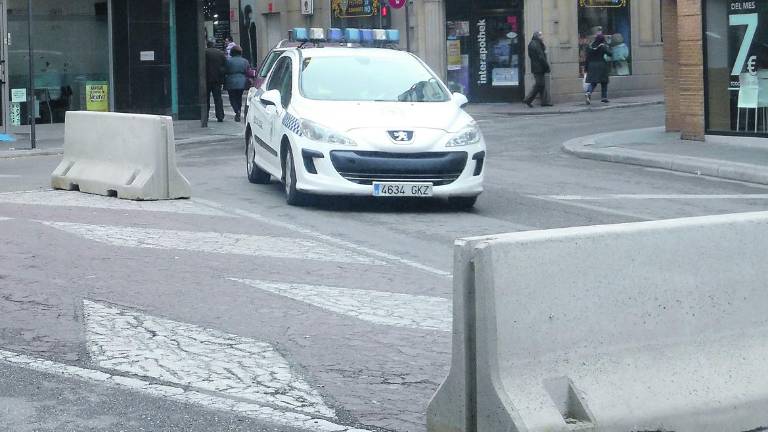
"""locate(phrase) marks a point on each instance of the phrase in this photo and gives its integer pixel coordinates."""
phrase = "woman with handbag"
(598, 69)
(236, 80)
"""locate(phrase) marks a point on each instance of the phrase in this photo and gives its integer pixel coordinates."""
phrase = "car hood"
(347, 116)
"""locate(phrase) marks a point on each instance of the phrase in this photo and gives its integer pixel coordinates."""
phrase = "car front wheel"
(292, 196)
(256, 175)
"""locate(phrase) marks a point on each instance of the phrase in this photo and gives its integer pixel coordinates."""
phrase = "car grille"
(366, 167)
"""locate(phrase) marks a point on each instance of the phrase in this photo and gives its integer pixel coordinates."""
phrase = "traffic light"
(385, 16)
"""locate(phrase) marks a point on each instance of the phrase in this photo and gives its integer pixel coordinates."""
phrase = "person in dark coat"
(236, 80)
(598, 69)
(537, 52)
(214, 77)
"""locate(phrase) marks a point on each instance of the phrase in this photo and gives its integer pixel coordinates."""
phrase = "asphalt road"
(233, 311)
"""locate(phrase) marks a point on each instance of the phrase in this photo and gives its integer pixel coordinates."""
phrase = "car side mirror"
(270, 98)
(459, 99)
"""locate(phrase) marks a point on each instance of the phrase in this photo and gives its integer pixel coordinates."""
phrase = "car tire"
(256, 175)
(462, 202)
(292, 196)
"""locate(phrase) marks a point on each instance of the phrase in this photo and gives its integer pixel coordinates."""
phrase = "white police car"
(362, 121)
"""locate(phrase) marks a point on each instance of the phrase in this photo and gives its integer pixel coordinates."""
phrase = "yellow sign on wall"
(97, 96)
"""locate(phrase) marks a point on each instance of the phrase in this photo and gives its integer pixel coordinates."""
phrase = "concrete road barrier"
(131, 156)
(653, 326)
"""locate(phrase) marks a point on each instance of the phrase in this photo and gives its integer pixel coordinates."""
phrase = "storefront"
(98, 55)
(736, 67)
(485, 46)
(486, 43)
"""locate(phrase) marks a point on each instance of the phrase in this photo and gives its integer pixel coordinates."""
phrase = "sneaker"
(588, 98)
(605, 101)
(237, 118)
(530, 105)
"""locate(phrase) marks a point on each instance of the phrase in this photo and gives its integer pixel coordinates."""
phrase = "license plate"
(402, 189)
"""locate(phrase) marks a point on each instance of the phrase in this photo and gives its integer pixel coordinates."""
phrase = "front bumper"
(455, 171)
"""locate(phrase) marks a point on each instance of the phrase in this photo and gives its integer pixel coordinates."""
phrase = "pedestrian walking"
(537, 52)
(215, 61)
(229, 43)
(236, 80)
(598, 68)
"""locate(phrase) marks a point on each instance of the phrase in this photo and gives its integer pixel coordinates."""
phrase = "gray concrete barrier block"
(130, 156)
(652, 326)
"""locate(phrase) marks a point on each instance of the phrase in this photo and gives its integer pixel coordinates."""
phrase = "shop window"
(736, 64)
(612, 19)
(71, 59)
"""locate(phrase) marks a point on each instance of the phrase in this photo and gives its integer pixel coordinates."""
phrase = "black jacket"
(598, 70)
(215, 60)
(537, 52)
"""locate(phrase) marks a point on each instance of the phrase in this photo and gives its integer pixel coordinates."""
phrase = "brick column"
(671, 64)
(691, 69)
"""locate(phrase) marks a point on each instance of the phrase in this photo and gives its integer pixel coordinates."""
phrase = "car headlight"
(467, 136)
(316, 132)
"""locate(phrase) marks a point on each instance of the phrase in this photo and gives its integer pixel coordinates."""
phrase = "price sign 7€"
(749, 20)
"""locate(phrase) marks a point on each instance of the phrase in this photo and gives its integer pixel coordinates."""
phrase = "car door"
(286, 94)
(263, 120)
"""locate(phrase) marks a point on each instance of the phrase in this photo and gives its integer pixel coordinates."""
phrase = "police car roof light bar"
(335, 35)
(352, 35)
(317, 34)
(300, 34)
(366, 37)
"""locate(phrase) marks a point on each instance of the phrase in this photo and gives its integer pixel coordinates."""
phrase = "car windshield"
(268, 62)
(370, 78)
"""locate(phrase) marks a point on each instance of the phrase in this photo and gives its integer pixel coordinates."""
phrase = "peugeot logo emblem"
(401, 136)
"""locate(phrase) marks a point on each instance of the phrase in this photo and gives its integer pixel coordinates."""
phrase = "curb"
(585, 148)
(590, 108)
(57, 151)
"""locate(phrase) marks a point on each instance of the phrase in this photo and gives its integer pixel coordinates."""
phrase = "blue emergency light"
(352, 35)
(300, 34)
(334, 35)
(366, 37)
(393, 36)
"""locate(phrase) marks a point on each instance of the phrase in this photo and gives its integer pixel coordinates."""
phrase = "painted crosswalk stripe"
(326, 238)
(9, 176)
(79, 199)
(203, 359)
(656, 197)
(378, 307)
(212, 242)
(177, 394)
(4, 218)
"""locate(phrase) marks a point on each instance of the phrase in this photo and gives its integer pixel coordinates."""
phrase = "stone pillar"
(430, 35)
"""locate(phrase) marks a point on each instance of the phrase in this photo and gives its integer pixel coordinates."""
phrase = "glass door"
(497, 60)
(3, 68)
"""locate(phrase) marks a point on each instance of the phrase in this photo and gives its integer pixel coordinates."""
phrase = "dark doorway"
(486, 49)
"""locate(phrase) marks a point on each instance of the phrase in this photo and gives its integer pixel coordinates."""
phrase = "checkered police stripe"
(292, 123)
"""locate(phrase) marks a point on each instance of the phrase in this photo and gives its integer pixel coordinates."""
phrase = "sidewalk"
(50, 138)
(520, 109)
(656, 148)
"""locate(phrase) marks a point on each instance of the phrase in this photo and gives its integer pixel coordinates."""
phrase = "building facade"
(717, 69)
(99, 55)
(479, 46)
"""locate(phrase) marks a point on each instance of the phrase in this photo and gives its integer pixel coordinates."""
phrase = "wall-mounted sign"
(147, 56)
(97, 96)
(19, 95)
(307, 7)
(354, 8)
(602, 3)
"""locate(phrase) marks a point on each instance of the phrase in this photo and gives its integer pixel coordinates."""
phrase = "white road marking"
(9, 176)
(177, 394)
(212, 242)
(80, 199)
(326, 238)
(2, 218)
(654, 197)
(599, 209)
(197, 357)
(385, 308)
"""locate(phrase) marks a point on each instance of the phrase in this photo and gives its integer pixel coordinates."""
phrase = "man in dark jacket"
(537, 52)
(214, 76)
